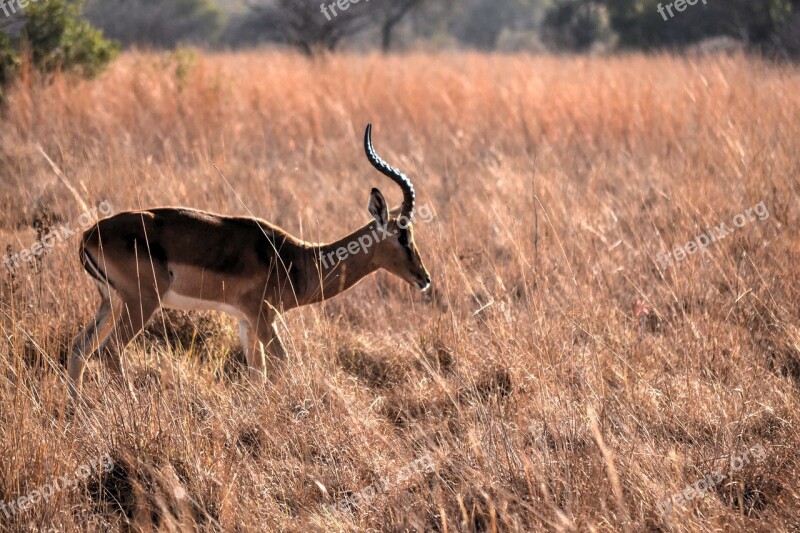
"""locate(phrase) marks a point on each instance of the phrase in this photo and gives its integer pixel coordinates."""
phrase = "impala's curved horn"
(409, 198)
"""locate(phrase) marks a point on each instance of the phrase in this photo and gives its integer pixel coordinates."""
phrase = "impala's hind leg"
(131, 316)
(87, 340)
(139, 281)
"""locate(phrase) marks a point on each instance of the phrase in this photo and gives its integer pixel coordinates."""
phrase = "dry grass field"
(555, 378)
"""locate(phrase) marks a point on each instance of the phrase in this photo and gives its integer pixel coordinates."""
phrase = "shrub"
(8, 60)
(576, 25)
(54, 36)
(640, 25)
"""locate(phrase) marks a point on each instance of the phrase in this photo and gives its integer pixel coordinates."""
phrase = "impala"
(186, 259)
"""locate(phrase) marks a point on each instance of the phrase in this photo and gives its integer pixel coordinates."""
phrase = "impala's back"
(183, 257)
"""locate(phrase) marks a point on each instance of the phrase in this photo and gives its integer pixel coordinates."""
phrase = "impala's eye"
(402, 238)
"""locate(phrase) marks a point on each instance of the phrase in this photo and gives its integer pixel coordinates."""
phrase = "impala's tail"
(89, 263)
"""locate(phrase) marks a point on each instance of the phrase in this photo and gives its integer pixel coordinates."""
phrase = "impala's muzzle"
(424, 282)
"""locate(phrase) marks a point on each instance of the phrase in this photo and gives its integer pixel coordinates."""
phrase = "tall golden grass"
(558, 378)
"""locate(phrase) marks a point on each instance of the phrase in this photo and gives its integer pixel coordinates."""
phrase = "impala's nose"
(425, 283)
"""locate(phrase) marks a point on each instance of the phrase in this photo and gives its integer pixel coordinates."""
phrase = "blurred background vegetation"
(71, 35)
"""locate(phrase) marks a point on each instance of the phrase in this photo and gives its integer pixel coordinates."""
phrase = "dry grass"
(557, 377)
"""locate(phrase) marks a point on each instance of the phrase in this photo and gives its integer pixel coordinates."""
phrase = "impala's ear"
(378, 208)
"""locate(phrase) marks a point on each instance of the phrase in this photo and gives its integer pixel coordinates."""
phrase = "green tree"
(54, 36)
(306, 25)
(576, 25)
(639, 23)
(58, 37)
(8, 61)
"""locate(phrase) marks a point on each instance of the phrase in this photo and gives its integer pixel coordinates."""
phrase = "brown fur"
(253, 269)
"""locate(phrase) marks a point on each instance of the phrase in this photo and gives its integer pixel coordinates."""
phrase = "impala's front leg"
(267, 332)
(253, 351)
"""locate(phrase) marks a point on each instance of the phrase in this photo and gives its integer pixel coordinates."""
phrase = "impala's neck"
(333, 268)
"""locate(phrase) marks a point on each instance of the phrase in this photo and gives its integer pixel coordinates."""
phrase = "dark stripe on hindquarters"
(94, 269)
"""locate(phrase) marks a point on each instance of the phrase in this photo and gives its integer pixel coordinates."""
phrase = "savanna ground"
(558, 378)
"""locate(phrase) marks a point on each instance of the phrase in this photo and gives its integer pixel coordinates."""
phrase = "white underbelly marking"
(174, 300)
